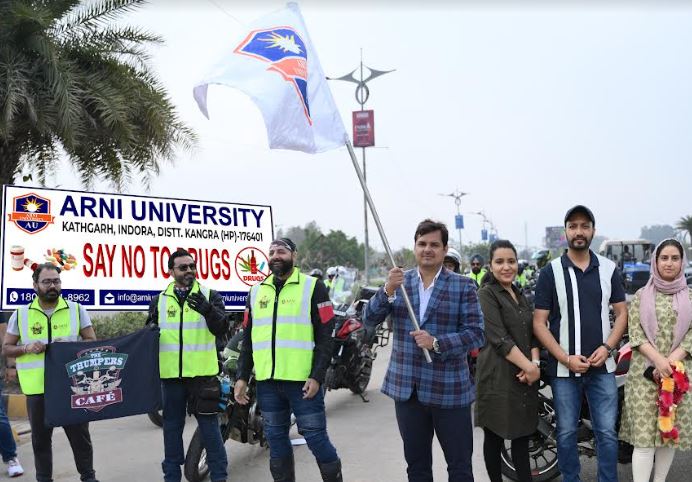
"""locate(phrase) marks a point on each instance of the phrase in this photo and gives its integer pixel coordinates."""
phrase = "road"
(365, 434)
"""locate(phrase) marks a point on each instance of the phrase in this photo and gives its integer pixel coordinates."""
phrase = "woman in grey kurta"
(657, 338)
(507, 371)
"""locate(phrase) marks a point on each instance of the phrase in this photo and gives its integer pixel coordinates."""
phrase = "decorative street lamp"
(363, 131)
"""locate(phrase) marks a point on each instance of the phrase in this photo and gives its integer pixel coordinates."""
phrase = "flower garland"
(670, 392)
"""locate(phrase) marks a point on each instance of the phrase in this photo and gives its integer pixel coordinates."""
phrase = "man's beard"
(185, 280)
(49, 295)
(281, 267)
(573, 245)
(476, 269)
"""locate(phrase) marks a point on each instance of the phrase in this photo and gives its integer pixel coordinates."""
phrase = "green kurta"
(639, 424)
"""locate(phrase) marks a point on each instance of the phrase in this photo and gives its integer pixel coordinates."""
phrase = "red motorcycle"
(355, 347)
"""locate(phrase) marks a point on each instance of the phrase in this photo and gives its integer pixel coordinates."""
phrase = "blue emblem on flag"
(287, 55)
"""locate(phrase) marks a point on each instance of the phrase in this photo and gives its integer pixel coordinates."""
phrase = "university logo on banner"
(286, 53)
(95, 378)
(31, 213)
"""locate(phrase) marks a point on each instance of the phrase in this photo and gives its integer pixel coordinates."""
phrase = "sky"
(529, 107)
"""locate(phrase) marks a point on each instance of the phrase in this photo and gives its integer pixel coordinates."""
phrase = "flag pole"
(376, 218)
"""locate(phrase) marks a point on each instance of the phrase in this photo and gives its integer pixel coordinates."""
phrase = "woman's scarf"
(681, 302)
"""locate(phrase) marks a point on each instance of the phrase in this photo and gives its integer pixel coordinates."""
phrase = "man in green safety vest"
(49, 318)
(477, 270)
(288, 323)
(190, 316)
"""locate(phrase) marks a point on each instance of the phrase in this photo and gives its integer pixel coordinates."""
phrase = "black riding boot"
(283, 469)
(331, 472)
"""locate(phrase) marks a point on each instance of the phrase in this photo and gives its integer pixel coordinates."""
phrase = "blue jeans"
(8, 448)
(277, 399)
(174, 411)
(602, 395)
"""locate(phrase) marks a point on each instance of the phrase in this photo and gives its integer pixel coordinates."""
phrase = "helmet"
(454, 257)
(331, 271)
(317, 273)
(453, 254)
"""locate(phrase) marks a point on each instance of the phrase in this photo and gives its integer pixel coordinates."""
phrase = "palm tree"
(75, 85)
(685, 225)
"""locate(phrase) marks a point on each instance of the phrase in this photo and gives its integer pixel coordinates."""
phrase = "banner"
(113, 249)
(363, 128)
(99, 380)
(555, 237)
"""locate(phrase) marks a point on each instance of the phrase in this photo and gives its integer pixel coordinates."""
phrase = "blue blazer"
(453, 316)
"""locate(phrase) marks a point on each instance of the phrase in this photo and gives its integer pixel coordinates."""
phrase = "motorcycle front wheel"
(196, 468)
(156, 418)
(362, 379)
(542, 450)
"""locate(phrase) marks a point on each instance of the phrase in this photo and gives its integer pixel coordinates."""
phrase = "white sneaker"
(14, 468)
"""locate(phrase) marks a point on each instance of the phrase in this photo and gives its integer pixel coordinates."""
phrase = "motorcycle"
(242, 423)
(543, 443)
(355, 347)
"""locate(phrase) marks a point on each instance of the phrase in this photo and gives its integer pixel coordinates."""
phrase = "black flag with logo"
(98, 380)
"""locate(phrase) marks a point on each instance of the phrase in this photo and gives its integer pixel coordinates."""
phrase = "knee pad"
(311, 423)
(276, 422)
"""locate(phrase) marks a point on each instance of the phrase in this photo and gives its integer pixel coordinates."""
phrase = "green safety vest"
(186, 346)
(282, 335)
(33, 326)
(477, 277)
(521, 280)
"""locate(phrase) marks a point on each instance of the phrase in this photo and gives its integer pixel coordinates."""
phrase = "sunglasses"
(185, 267)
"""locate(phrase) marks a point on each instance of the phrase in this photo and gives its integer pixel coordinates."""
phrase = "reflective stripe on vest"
(605, 272)
(33, 326)
(182, 328)
(283, 349)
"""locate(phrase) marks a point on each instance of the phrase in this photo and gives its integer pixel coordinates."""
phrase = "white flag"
(276, 65)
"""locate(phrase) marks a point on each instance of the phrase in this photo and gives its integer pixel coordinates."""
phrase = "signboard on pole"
(113, 249)
(459, 221)
(364, 128)
(555, 237)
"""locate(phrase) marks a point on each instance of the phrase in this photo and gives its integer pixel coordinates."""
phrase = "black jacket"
(323, 330)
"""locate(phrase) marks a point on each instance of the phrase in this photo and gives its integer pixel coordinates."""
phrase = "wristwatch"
(611, 351)
(436, 345)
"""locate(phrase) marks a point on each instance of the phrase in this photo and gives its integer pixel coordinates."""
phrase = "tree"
(685, 225)
(657, 232)
(317, 250)
(74, 84)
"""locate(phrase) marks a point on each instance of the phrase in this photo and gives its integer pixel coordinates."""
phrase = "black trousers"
(492, 445)
(42, 442)
(417, 425)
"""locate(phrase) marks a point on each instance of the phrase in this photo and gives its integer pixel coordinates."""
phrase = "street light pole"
(362, 96)
(457, 195)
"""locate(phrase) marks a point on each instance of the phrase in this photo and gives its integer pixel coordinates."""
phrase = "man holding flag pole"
(275, 64)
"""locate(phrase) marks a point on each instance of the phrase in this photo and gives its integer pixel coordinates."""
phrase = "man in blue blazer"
(431, 398)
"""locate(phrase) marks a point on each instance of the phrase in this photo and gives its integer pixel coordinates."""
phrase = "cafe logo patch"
(96, 378)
